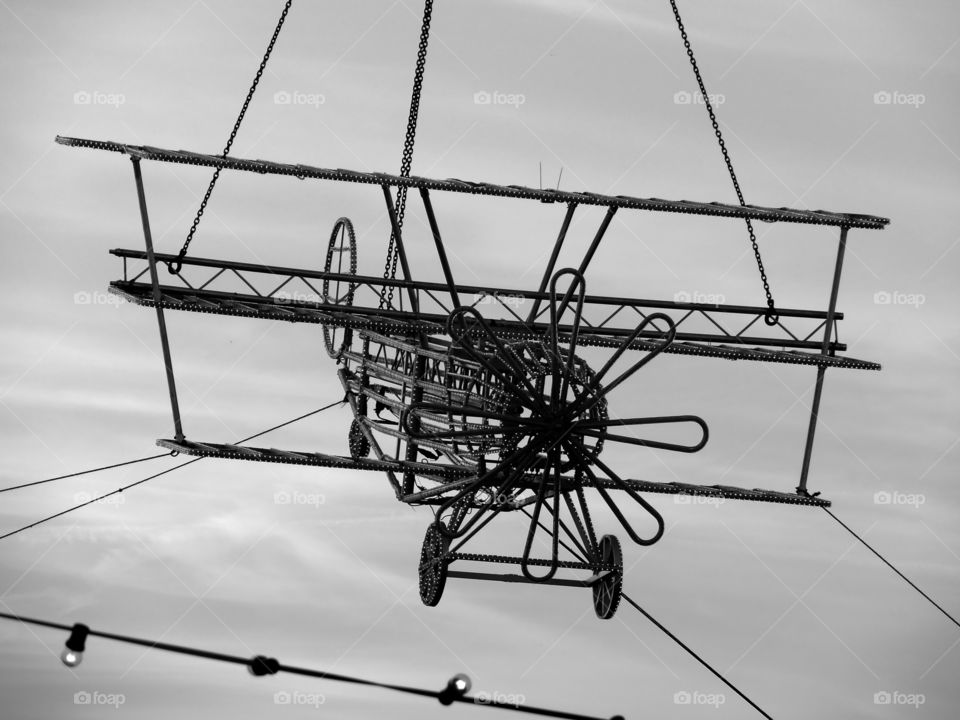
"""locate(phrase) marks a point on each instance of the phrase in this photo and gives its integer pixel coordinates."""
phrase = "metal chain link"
(175, 266)
(770, 317)
(393, 253)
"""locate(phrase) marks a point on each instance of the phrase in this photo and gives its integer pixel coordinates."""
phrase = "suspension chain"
(770, 317)
(393, 253)
(175, 266)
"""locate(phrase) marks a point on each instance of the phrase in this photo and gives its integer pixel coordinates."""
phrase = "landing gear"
(607, 590)
(433, 569)
(359, 445)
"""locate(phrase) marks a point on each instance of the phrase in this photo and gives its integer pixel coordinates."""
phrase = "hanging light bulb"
(461, 683)
(458, 686)
(72, 653)
(71, 658)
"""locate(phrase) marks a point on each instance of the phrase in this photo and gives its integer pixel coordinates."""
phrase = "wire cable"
(261, 665)
(85, 472)
(890, 565)
(669, 634)
(164, 472)
(692, 652)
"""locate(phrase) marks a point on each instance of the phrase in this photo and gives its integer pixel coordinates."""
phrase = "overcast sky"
(848, 107)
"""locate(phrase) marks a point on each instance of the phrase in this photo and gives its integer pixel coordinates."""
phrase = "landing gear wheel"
(342, 259)
(433, 575)
(359, 445)
(606, 592)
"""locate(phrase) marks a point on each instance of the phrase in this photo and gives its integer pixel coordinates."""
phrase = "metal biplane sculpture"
(478, 416)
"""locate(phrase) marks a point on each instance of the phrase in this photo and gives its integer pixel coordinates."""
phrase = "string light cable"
(455, 691)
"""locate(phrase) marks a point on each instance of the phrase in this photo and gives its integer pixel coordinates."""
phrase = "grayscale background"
(848, 107)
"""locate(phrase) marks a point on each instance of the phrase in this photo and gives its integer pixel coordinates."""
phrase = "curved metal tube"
(601, 392)
(455, 322)
(594, 428)
(578, 280)
(520, 456)
(657, 517)
(417, 409)
(552, 467)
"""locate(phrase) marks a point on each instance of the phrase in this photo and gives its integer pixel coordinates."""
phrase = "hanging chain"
(175, 266)
(393, 252)
(770, 316)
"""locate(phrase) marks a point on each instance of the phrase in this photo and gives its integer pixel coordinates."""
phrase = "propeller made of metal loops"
(770, 317)
(176, 265)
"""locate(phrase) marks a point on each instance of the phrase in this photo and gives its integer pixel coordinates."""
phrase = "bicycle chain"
(770, 317)
(406, 162)
(174, 266)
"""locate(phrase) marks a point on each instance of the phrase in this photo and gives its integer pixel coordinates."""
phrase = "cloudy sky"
(848, 107)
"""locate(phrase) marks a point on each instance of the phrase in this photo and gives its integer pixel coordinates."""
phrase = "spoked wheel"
(606, 592)
(433, 575)
(359, 445)
(341, 259)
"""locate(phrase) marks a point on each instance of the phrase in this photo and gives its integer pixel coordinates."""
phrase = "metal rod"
(553, 260)
(444, 263)
(821, 369)
(158, 302)
(409, 476)
(395, 224)
(611, 211)
(834, 290)
(601, 231)
(811, 430)
(512, 578)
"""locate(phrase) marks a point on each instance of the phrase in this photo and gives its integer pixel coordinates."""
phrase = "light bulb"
(71, 658)
(72, 654)
(457, 687)
(461, 682)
